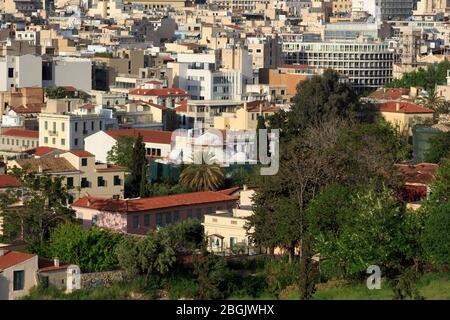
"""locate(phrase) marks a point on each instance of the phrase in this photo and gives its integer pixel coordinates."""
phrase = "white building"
(69, 71)
(20, 71)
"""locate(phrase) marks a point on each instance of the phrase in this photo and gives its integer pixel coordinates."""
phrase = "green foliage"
(121, 151)
(428, 79)
(62, 93)
(436, 239)
(279, 275)
(138, 161)
(405, 286)
(181, 287)
(439, 147)
(165, 189)
(103, 54)
(92, 249)
(44, 207)
(318, 99)
(212, 275)
(204, 174)
(370, 228)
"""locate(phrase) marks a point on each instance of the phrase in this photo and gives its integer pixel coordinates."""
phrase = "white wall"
(74, 72)
(29, 69)
(99, 144)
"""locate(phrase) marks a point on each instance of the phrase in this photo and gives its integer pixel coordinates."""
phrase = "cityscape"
(225, 150)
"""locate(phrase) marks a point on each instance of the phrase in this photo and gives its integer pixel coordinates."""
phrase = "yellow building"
(403, 115)
(246, 117)
(226, 231)
(82, 174)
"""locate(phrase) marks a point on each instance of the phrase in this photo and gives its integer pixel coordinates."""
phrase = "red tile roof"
(46, 265)
(41, 151)
(70, 88)
(21, 133)
(150, 136)
(87, 107)
(422, 173)
(161, 92)
(111, 167)
(29, 108)
(8, 182)
(182, 106)
(158, 106)
(153, 82)
(405, 107)
(81, 153)
(389, 94)
(11, 258)
(146, 204)
(229, 191)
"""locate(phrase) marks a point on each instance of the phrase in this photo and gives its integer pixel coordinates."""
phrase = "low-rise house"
(157, 143)
(167, 97)
(15, 141)
(416, 182)
(226, 231)
(17, 273)
(82, 174)
(138, 216)
(64, 276)
(404, 114)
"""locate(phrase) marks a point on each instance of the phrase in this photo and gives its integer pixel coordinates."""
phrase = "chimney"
(260, 109)
(40, 169)
(244, 187)
(397, 106)
(56, 262)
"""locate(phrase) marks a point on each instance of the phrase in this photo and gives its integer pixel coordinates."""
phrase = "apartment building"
(68, 71)
(67, 130)
(366, 64)
(82, 174)
(386, 9)
(20, 71)
(13, 142)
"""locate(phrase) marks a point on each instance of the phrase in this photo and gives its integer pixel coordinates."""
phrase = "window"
(168, 217)
(63, 126)
(101, 125)
(76, 126)
(209, 210)
(63, 142)
(176, 216)
(84, 162)
(69, 182)
(54, 140)
(136, 221)
(46, 125)
(117, 181)
(45, 140)
(189, 214)
(100, 182)
(84, 183)
(10, 72)
(159, 220)
(92, 125)
(198, 213)
(19, 280)
(75, 142)
(147, 220)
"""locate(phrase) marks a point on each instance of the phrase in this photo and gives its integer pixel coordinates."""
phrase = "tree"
(436, 240)
(204, 174)
(318, 99)
(92, 249)
(212, 273)
(434, 102)
(121, 151)
(405, 285)
(45, 200)
(138, 161)
(439, 147)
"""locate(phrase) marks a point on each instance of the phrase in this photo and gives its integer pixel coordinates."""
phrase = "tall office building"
(386, 9)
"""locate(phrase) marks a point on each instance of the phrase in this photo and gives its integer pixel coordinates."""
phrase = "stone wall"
(102, 279)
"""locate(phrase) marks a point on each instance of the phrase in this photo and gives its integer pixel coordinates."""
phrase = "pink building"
(140, 215)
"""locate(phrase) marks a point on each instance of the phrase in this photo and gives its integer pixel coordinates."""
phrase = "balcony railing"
(52, 133)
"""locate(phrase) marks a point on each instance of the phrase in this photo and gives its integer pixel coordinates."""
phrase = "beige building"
(246, 117)
(155, 4)
(341, 6)
(81, 172)
(17, 273)
(226, 231)
(15, 141)
(403, 115)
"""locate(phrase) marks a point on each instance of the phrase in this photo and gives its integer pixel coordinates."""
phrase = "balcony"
(52, 133)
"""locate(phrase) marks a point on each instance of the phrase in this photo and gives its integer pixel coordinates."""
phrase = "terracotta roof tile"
(7, 181)
(11, 258)
(161, 92)
(29, 108)
(405, 107)
(21, 133)
(81, 153)
(149, 136)
(54, 165)
(145, 204)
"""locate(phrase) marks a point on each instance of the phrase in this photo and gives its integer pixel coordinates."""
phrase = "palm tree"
(203, 175)
(434, 102)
